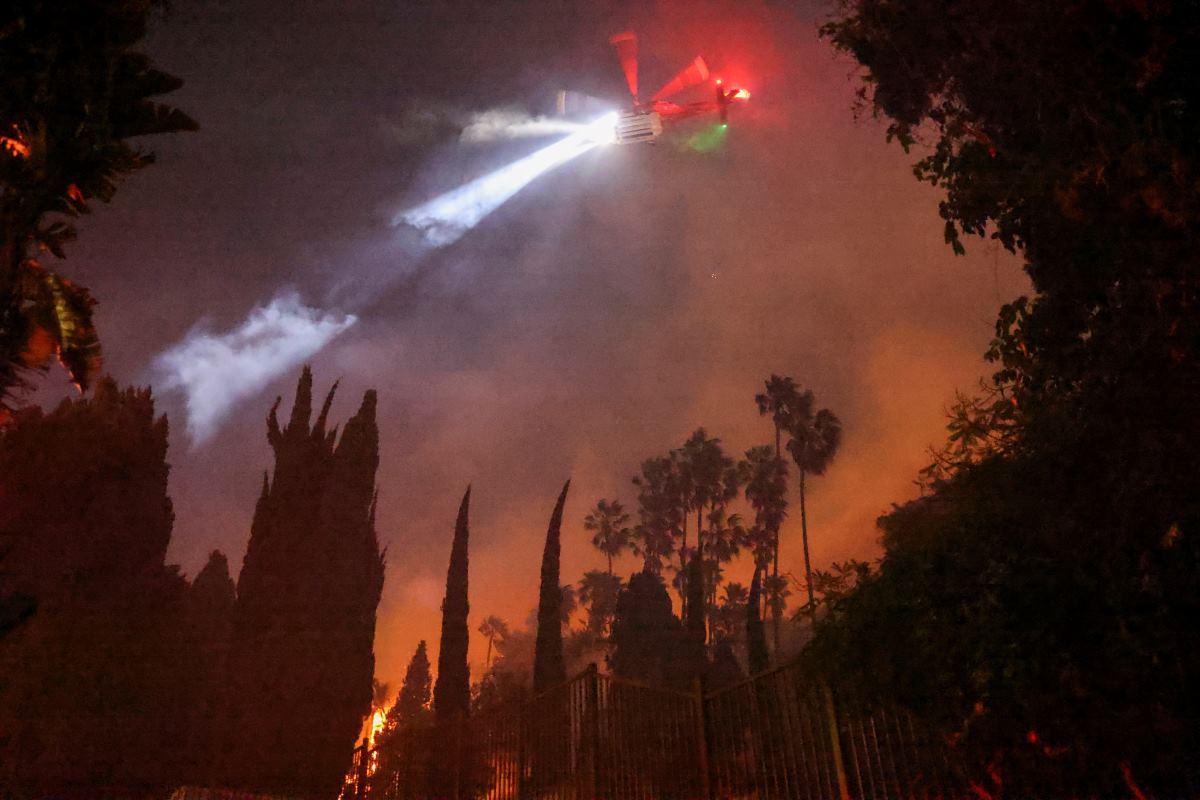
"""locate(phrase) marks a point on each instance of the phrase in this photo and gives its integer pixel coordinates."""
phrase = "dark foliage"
(405, 746)
(725, 669)
(756, 637)
(74, 92)
(647, 636)
(301, 662)
(94, 677)
(549, 668)
(452, 693)
(415, 692)
(598, 592)
(208, 631)
(1037, 605)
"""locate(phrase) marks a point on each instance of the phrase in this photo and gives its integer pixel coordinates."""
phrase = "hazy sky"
(595, 320)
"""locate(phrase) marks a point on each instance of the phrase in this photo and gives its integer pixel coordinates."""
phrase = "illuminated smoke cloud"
(216, 371)
(445, 218)
(490, 126)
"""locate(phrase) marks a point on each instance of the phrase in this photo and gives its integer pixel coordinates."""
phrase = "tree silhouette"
(611, 533)
(208, 622)
(813, 441)
(708, 476)
(96, 674)
(756, 639)
(661, 505)
(549, 668)
(764, 476)
(415, 691)
(598, 592)
(452, 692)
(307, 597)
(1038, 602)
(75, 93)
(783, 402)
(492, 628)
(405, 750)
(729, 615)
(646, 634)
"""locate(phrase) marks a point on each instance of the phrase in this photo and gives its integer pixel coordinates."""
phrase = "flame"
(14, 146)
(377, 720)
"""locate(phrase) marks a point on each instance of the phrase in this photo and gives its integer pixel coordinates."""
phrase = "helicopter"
(644, 121)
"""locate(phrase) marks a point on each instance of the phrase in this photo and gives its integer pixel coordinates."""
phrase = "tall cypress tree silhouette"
(301, 661)
(548, 665)
(452, 692)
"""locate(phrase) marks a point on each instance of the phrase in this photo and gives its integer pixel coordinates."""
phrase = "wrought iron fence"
(789, 734)
(780, 734)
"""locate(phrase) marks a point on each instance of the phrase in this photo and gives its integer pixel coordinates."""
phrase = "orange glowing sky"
(595, 320)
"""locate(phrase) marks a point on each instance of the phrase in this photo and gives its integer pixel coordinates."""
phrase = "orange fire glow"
(14, 146)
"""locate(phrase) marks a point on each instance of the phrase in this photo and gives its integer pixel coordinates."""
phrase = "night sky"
(594, 320)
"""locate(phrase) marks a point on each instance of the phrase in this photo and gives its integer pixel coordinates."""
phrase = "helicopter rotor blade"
(626, 44)
(694, 73)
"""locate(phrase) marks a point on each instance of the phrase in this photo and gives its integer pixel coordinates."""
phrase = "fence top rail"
(517, 704)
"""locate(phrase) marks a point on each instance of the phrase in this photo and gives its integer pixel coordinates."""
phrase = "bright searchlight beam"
(447, 217)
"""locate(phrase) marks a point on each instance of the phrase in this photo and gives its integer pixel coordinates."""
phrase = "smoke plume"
(215, 371)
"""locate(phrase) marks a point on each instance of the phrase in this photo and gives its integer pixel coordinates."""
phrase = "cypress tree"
(301, 659)
(452, 693)
(549, 668)
(756, 636)
(415, 691)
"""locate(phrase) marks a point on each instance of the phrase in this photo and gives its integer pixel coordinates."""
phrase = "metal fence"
(789, 734)
(781, 734)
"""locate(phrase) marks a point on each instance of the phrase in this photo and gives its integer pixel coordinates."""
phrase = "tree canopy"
(1034, 602)
(74, 94)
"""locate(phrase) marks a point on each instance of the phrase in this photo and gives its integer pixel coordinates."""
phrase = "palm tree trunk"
(609, 564)
(776, 611)
(488, 661)
(804, 535)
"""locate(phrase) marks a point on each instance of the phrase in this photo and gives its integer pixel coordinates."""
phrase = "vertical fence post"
(702, 738)
(360, 776)
(592, 722)
(522, 732)
(835, 742)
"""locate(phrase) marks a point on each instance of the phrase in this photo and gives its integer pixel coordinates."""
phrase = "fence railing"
(780, 734)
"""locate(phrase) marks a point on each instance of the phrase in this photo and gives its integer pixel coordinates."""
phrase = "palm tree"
(815, 439)
(708, 475)
(492, 628)
(661, 510)
(570, 602)
(711, 480)
(598, 592)
(68, 128)
(611, 533)
(764, 475)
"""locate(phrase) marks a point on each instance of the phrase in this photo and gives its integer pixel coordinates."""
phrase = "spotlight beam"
(447, 217)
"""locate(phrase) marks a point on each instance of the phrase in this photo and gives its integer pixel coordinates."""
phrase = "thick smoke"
(216, 371)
